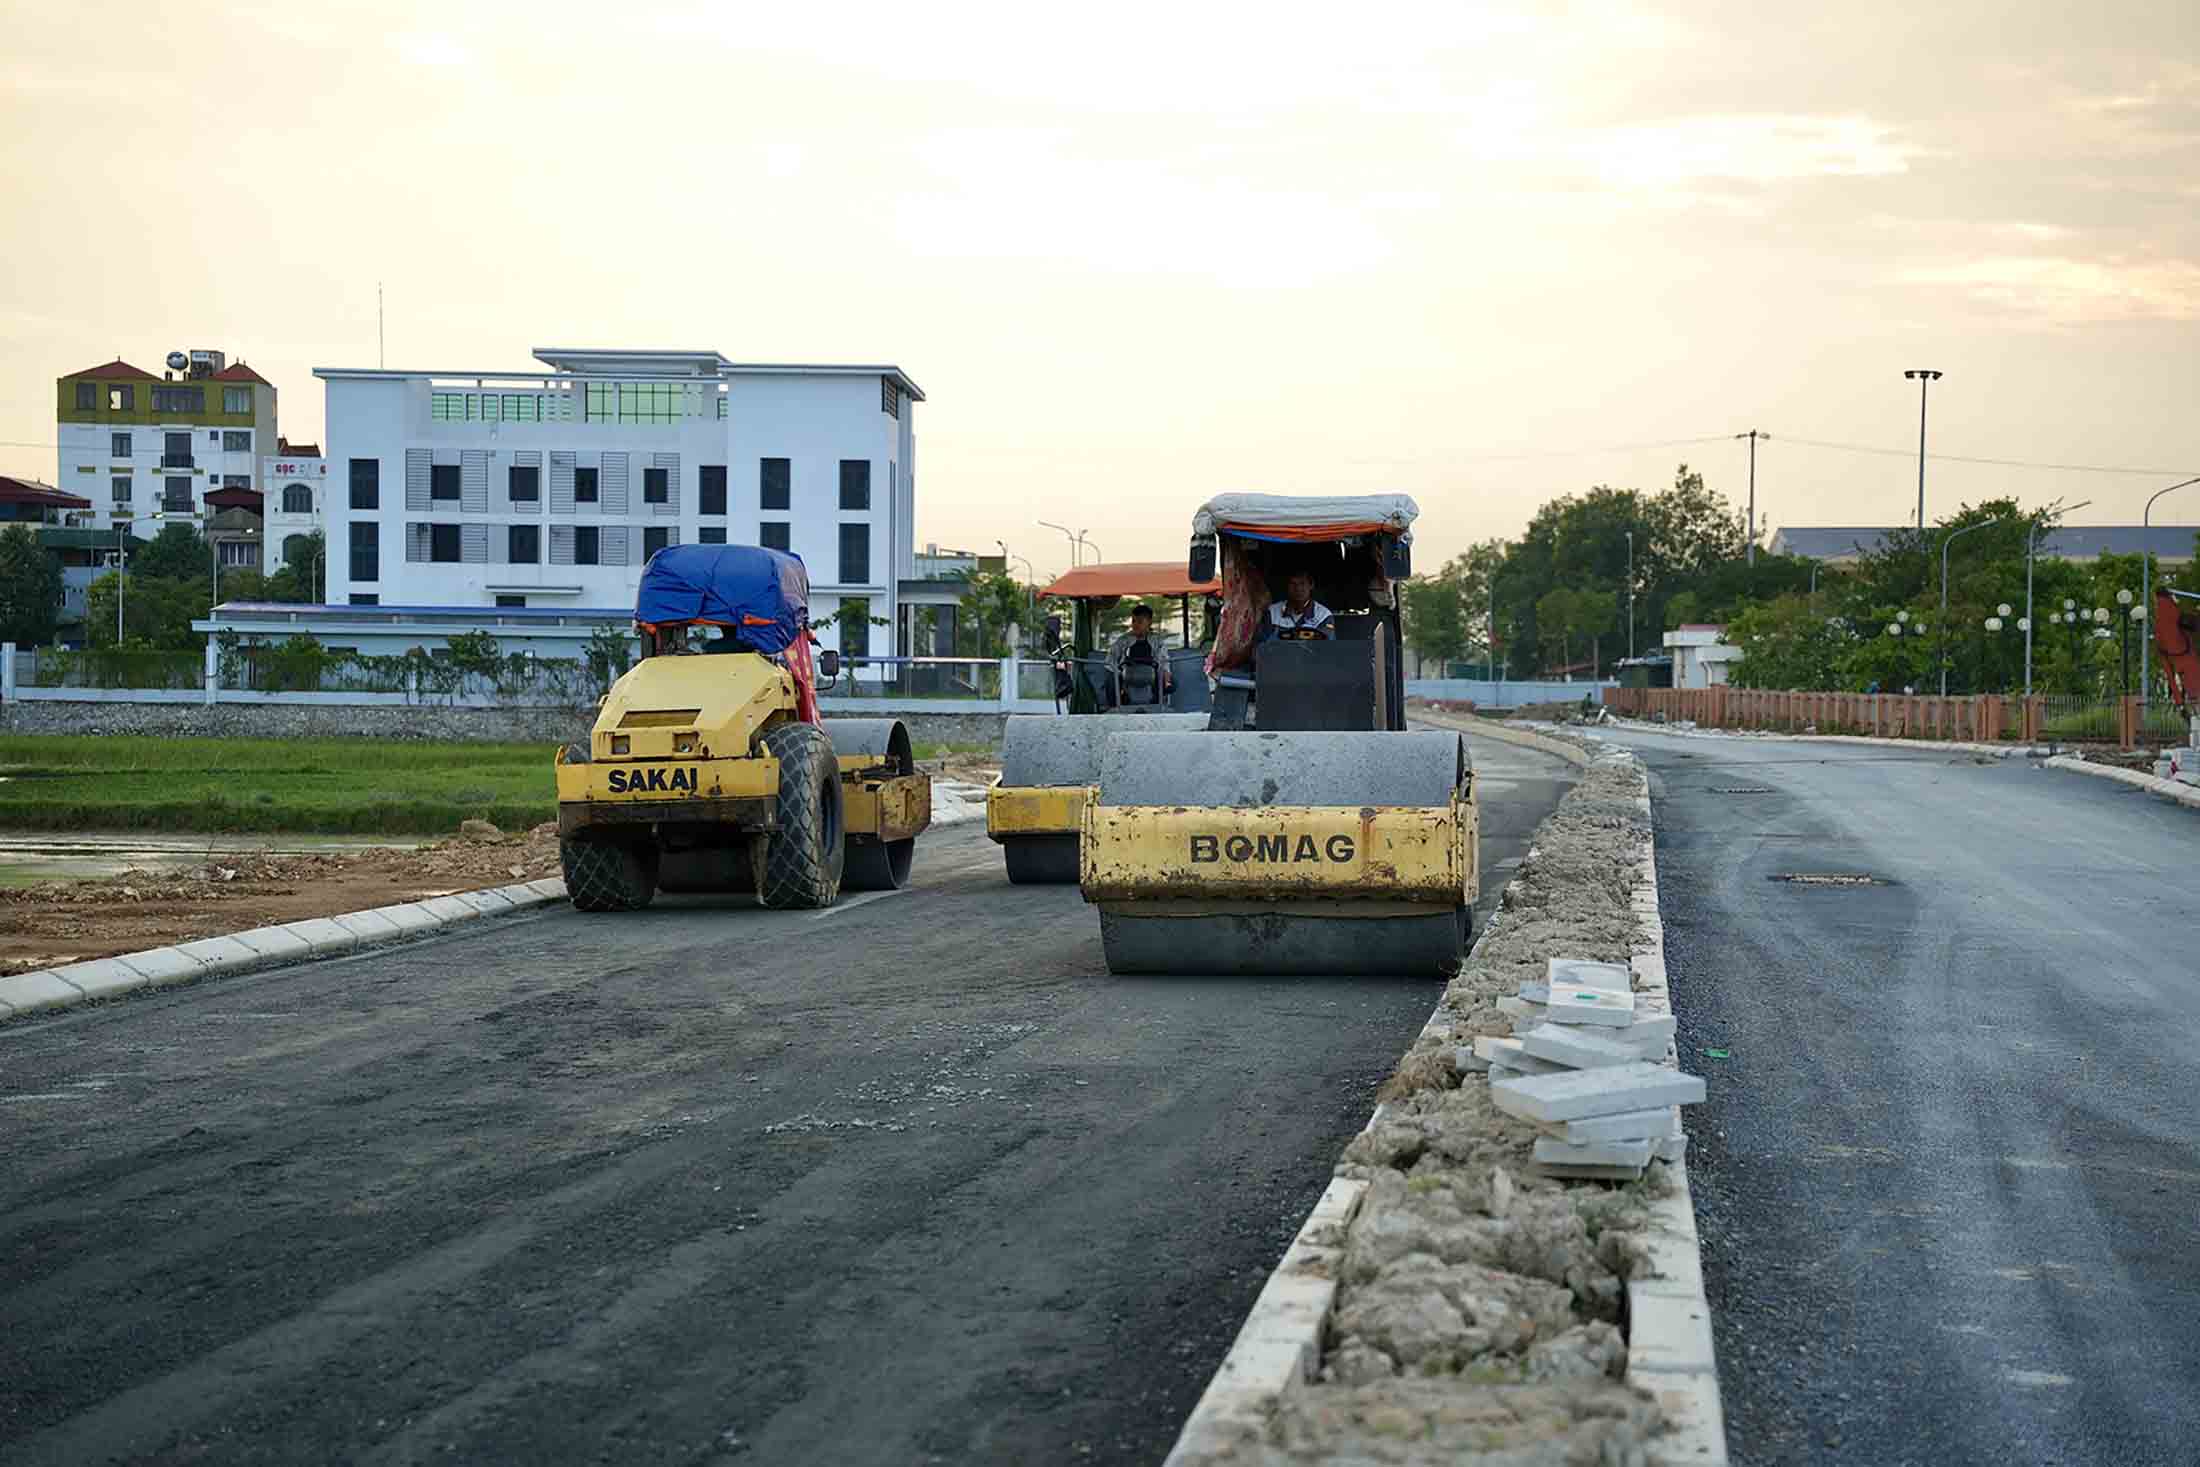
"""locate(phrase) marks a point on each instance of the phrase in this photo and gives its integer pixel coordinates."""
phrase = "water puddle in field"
(27, 858)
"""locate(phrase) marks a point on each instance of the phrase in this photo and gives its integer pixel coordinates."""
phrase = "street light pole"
(1925, 376)
(1631, 576)
(1492, 639)
(1069, 535)
(1942, 641)
(122, 562)
(2146, 583)
(1753, 435)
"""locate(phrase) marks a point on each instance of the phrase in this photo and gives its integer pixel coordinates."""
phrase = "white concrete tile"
(1578, 1094)
(271, 942)
(1576, 1003)
(1550, 1150)
(490, 903)
(217, 954)
(1588, 973)
(550, 889)
(163, 965)
(1625, 1125)
(367, 926)
(321, 935)
(407, 916)
(1577, 1046)
(450, 909)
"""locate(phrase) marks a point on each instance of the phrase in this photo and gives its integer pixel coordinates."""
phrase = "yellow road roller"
(709, 769)
(1307, 829)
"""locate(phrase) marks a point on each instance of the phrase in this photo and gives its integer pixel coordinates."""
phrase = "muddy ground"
(56, 922)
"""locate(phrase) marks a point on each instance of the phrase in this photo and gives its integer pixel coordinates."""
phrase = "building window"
(855, 626)
(889, 397)
(443, 481)
(772, 477)
(584, 486)
(87, 397)
(239, 552)
(525, 484)
(443, 547)
(711, 535)
(654, 539)
(636, 402)
(855, 483)
(585, 542)
(721, 406)
(366, 552)
(447, 407)
(176, 496)
(710, 489)
(236, 399)
(118, 445)
(523, 544)
(514, 602)
(522, 407)
(179, 401)
(297, 499)
(122, 399)
(119, 488)
(772, 535)
(236, 481)
(656, 486)
(855, 555)
(176, 451)
(235, 441)
(366, 483)
(363, 598)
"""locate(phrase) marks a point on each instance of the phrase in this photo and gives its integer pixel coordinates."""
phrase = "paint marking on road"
(851, 903)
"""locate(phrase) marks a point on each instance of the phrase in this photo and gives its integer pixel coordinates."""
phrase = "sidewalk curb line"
(1952, 746)
(1280, 1342)
(44, 990)
(2168, 789)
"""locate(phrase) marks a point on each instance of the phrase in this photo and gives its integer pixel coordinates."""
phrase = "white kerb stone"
(1626, 1125)
(27, 993)
(1578, 1094)
(162, 964)
(1576, 1046)
(1508, 1054)
(1611, 977)
(102, 978)
(1577, 1003)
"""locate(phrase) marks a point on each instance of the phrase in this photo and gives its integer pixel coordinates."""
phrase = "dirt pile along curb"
(1473, 1307)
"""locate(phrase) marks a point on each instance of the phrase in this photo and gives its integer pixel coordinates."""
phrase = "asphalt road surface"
(1948, 1176)
(909, 1180)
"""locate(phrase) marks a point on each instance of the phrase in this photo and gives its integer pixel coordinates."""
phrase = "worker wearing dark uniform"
(1298, 617)
(1141, 672)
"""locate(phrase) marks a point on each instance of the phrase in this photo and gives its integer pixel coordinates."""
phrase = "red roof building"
(28, 501)
(239, 372)
(117, 370)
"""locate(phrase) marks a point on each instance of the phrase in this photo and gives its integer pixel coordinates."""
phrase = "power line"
(2000, 463)
(1480, 458)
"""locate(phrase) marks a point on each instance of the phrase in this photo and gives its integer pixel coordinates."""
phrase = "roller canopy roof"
(1306, 516)
(763, 594)
(1129, 578)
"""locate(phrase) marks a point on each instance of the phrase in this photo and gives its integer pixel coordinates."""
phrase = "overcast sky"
(1142, 254)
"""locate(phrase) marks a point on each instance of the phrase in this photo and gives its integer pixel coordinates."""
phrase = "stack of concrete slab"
(1585, 1066)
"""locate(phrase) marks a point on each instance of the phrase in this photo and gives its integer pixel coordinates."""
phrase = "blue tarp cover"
(765, 594)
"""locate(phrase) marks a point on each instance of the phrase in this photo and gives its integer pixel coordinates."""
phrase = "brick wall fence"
(1983, 718)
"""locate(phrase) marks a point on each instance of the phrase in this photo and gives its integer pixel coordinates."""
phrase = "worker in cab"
(1298, 617)
(1141, 672)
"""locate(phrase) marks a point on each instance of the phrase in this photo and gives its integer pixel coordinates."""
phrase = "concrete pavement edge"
(44, 990)
(2168, 789)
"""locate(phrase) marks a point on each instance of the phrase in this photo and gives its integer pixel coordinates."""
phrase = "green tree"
(994, 602)
(30, 588)
(178, 553)
(1435, 621)
(304, 576)
(156, 612)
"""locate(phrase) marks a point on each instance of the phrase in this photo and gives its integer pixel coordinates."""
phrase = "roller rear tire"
(799, 865)
(608, 876)
(876, 865)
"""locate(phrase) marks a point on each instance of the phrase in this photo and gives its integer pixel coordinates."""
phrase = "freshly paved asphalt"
(1948, 1176)
(910, 1180)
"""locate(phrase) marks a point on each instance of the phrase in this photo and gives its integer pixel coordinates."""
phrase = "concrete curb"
(1468, 723)
(1999, 751)
(2168, 789)
(45, 989)
(1670, 1354)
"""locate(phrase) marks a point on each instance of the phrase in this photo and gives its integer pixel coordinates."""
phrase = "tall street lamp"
(1071, 536)
(1949, 540)
(1753, 435)
(2146, 580)
(1925, 377)
(2031, 547)
(1631, 584)
(2127, 613)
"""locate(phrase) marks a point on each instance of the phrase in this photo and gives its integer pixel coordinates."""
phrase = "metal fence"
(50, 667)
(904, 678)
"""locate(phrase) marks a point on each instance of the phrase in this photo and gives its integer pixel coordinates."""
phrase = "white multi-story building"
(137, 445)
(552, 489)
(293, 496)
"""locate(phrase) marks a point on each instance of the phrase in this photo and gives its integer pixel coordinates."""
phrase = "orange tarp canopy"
(1130, 578)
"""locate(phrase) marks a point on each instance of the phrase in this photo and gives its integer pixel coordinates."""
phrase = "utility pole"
(1492, 649)
(1925, 377)
(1631, 583)
(1752, 435)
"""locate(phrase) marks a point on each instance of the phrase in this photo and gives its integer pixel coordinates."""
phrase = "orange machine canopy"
(1129, 578)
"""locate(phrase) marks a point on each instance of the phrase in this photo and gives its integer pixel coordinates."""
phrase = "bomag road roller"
(1306, 830)
(709, 768)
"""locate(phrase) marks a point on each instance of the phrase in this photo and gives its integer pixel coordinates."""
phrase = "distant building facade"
(1700, 655)
(293, 497)
(552, 489)
(1836, 545)
(139, 445)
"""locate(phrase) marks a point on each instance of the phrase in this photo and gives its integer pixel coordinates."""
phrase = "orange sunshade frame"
(1310, 534)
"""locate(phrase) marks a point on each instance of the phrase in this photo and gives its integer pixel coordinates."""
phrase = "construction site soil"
(57, 922)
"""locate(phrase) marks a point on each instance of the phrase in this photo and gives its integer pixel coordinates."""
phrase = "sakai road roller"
(709, 769)
(1307, 830)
